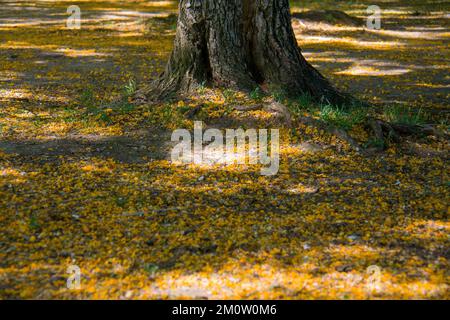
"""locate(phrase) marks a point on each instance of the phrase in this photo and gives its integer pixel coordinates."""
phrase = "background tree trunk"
(240, 44)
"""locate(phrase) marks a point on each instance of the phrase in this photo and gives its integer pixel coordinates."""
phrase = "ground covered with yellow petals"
(88, 182)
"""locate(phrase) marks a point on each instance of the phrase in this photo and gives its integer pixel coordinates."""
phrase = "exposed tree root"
(284, 113)
(382, 131)
(337, 132)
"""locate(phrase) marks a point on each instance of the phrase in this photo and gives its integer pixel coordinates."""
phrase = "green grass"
(121, 201)
(202, 88)
(70, 115)
(87, 99)
(342, 117)
(95, 108)
(151, 269)
(404, 115)
(130, 88)
(256, 94)
(34, 224)
(345, 117)
(303, 103)
(278, 95)
(125, 107)
(229, 95)
(38, 122)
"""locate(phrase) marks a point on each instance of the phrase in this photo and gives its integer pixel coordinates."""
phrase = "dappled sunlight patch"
(114, 15)
(7, 94)
(413, 34)
(74, 53)
(372, 71)
(428, 229)
(352, 42)
(305, 27)
(236, 279)
(239, 280)
(17, 175)
(301, 188)
(162, 4)
(432, 85)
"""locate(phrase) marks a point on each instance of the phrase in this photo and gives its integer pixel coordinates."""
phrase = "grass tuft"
(342, 117)
(256, 94)
(405, 116)
(130, 88)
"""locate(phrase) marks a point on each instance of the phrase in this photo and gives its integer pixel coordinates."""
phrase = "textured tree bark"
(240, 44)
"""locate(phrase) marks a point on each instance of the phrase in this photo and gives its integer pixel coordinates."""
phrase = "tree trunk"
(240, 44)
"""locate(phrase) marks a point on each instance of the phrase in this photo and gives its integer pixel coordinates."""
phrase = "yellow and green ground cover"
(85, 182)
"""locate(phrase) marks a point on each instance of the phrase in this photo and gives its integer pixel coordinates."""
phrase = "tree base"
(242, 45)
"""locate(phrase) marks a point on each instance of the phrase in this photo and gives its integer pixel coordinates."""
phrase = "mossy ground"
(86, 182)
